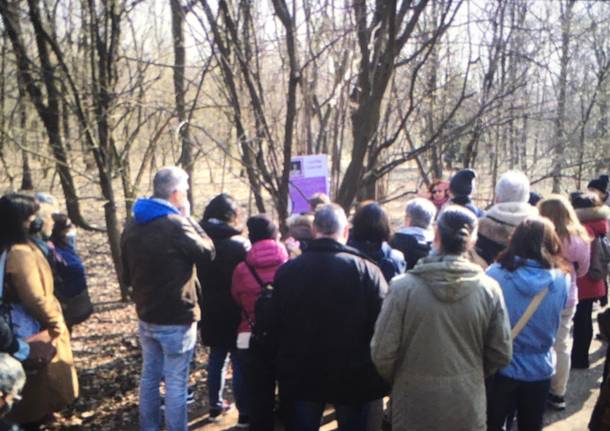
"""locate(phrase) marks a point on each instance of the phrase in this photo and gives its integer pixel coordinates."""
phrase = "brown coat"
(29, 281)
(159, 258)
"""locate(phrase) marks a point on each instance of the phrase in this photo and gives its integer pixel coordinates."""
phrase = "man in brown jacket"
(160, 247)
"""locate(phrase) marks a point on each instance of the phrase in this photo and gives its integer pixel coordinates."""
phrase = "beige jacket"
(29, 280)
(442, 329)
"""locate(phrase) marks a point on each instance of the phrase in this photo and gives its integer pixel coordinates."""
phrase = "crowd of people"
(463, 318)
(43, 294)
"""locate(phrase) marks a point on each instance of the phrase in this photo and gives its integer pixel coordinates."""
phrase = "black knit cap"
(461, 183)
(600, 184)
(261, 227)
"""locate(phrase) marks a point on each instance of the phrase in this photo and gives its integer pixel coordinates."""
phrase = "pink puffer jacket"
(265, 257)
(576, 251)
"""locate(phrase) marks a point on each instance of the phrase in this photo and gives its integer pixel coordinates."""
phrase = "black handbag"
(76, 308)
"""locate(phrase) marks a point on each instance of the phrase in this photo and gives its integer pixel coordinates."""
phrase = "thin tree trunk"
(186, 156)
(560, 118)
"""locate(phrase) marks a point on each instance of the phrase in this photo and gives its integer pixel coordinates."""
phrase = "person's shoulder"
(408, 280)
(176, 219)
(490, 281)
(289, 269)
(21, 256)
(397, 255)
(403, 241)
(25, 248)
(240, 270)
(561, 279)
(22, 251)
(494, 270)
(239, 241)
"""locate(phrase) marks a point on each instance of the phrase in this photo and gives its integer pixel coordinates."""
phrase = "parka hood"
(148, 209)
(530, 278)
(501, 220)
(511, 213)
(267, 253)
(218, 230)
(450, 278)
(419, 233)
(593, 213)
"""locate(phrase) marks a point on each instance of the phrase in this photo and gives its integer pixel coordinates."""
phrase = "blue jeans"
(306, 415)
(217, 367)
(166, 354)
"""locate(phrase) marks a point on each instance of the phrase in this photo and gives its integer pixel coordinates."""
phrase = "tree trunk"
(26, 173)
(49, 111)
(186, 155)
(560, 118)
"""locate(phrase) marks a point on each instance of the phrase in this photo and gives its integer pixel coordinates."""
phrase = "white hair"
(169, 179)
(421, 212)
(513, 187)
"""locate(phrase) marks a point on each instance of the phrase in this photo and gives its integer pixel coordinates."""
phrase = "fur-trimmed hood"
(502, 219)
(593, 213)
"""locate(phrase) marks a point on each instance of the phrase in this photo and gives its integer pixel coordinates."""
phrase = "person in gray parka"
(442, 330)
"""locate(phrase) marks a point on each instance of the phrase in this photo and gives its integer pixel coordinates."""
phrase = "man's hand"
(185, 208)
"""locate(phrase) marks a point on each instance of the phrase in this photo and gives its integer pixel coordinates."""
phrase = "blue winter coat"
(532, 360)
(390, 261)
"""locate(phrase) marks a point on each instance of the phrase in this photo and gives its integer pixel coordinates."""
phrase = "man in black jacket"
(327, 301)
(415, 238)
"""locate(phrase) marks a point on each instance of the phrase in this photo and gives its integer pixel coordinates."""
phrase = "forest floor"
(108, 360)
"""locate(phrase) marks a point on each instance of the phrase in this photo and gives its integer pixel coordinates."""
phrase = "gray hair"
(330, 219)
(421, 212)
(45, 198)
(513, 186)
(167, 180)
(12, 376)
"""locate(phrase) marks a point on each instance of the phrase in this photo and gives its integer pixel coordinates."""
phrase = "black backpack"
(262, 324)
(600, 258)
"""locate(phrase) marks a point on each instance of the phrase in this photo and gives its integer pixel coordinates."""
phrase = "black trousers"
(528, 398)
(259, 373)
(583, 333)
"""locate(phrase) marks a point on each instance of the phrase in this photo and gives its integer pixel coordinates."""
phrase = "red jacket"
(265, 257)
(587, 287)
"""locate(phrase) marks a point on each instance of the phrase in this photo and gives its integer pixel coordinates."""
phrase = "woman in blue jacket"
(531, 263)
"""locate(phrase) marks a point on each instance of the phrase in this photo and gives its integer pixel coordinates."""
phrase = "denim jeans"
(306, 415)
(166, 354)
(217, 367)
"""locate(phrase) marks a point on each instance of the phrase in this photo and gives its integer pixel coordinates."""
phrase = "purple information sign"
(308, 175)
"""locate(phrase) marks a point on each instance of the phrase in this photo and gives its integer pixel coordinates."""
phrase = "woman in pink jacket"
(264, 258)
(576, 250)
(593, 214)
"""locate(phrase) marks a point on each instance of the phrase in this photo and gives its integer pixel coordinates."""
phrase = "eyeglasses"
(438, 191)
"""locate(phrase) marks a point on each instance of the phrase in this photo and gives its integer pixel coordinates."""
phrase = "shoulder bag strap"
(255, 275)
(529, 312)
(262, 285)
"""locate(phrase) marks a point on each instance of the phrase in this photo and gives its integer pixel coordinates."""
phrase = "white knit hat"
(513, 187)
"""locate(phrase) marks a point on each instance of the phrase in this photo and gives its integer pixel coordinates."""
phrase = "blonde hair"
(561, 212)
